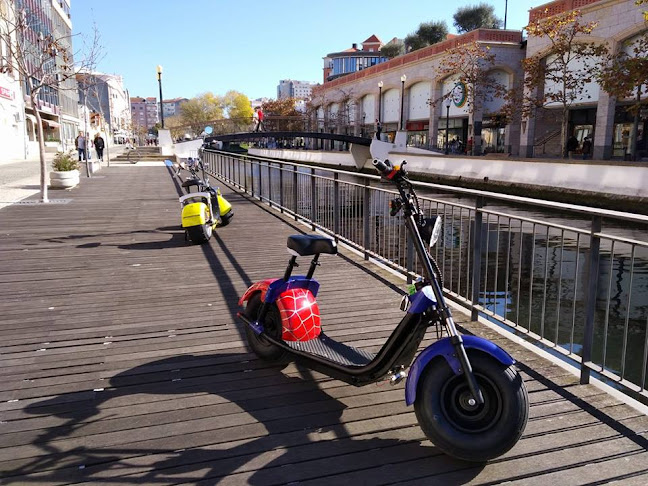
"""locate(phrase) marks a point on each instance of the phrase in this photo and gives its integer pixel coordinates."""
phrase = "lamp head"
(380, 84)
(447, 102)
(159, 70)
(403, 78)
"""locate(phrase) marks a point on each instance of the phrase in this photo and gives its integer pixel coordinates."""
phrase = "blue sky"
(247, 45)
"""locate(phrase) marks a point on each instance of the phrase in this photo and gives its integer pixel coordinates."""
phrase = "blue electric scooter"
(469, 399)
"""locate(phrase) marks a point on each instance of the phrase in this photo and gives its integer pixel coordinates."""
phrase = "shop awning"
(50, 123)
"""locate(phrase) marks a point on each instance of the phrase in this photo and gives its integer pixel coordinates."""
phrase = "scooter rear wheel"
(200, 234)
(272, 325)
(474, 433)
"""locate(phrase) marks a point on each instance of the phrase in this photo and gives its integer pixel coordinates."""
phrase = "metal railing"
(540, 269)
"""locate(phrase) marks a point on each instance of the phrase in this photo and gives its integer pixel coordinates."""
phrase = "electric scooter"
(468, 398)
(204, 210)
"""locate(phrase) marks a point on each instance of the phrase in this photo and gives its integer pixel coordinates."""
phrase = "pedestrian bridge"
(123, 362)
(231, 137)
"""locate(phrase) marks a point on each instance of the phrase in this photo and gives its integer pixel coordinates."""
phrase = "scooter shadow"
(267, 427)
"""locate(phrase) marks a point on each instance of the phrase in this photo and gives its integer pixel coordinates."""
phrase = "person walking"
(260, 123)
(81, 144)
(378, 128)
(586, 149)
(99, 145)
(572, 146)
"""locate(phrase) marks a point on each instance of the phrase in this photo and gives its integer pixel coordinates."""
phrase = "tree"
(471, 63)
(427, 34)
(282, 114)
(198, 112)
(560, 76)
(625, 76)
(239, 110)
(481, 16)
(43, 60)
(392, 49)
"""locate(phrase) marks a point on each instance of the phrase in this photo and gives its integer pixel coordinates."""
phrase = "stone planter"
(64, 180)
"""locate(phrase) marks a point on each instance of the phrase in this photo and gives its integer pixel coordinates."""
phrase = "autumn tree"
(477, 17)
(239, 110)
(470, 64)
(392, 49)
(624, 75)
(282, 115)
(43, 60)
(198, 112)
(427, 34)
(559, 76)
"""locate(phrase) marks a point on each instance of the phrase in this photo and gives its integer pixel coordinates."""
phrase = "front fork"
(445, 314)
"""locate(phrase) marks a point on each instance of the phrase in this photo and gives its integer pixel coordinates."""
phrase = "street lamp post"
(364, 115)
(402, 100)
(380, 86)
(159, 73)
(447, 103)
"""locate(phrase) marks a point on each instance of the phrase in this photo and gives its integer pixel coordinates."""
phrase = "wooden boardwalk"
(121, 362)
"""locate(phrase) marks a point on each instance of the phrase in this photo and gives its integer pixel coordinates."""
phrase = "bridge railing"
(572, 279)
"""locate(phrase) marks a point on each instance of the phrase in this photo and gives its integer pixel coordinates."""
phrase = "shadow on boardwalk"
(292, 432)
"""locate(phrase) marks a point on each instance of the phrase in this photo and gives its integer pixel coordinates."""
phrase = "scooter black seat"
(311, 244)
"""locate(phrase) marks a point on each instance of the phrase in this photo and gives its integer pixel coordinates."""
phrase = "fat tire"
(200, 234)
(260, 346)
(476, 435)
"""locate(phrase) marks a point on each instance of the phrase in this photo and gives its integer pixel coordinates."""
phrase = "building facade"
(144, 112)
(354, 59)
(407, 92)
(299, 90)
(172, 107)
(107, 100)
(595, 113)
(12, 103)
(68, 97)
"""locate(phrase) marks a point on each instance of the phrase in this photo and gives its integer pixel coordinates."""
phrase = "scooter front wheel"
(467, 431)
(272, 326)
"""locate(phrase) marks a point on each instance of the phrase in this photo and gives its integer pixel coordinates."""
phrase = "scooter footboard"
(446, 349)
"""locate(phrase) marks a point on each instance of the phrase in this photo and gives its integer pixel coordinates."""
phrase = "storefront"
(622, 136)
(418, 134)
(457, 131)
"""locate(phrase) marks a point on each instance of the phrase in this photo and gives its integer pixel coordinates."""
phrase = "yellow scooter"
(205, 209)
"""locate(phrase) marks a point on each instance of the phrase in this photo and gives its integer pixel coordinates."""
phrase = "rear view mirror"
(431, 230)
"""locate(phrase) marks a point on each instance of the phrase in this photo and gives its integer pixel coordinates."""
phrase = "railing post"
(313, 199)
(295, 182)
(365, 219)
(477, 250)
(336, 205)
(245, 188)
(409, 258)
(281, 191)
(252, 178)
(270, 184)
(261, 181)
(590, 299)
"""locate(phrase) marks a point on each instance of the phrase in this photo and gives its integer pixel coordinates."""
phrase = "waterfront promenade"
(121, 362)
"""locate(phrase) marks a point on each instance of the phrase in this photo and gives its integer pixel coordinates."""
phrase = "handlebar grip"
(384, 167)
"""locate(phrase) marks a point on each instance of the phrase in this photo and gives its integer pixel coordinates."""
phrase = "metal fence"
(545, 270)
